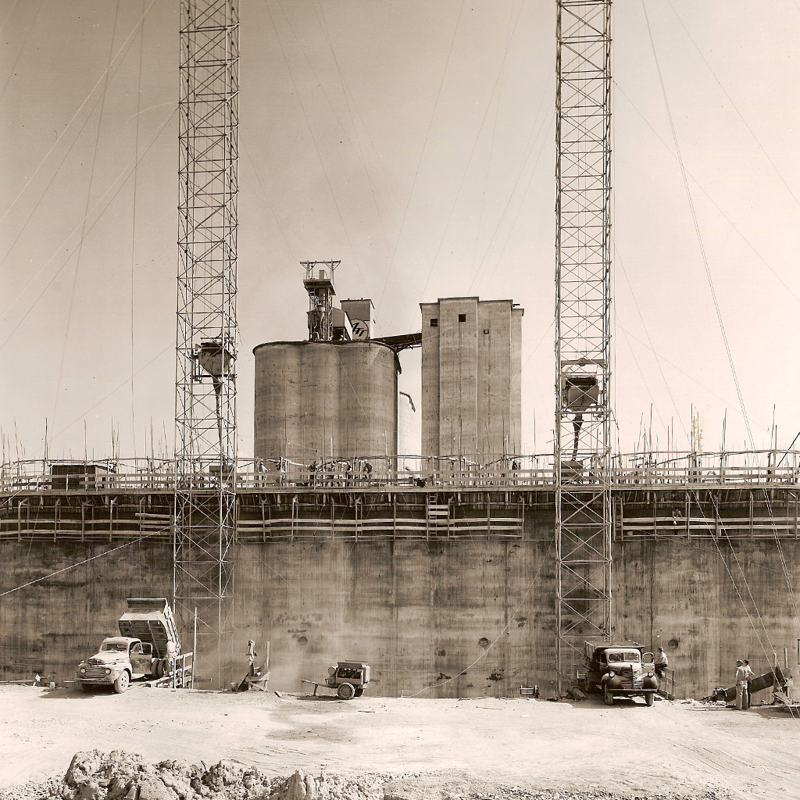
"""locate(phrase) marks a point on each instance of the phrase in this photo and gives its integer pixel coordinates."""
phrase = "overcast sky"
(413, 140)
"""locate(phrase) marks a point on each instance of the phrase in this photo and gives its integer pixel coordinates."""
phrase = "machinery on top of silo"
(332, 397)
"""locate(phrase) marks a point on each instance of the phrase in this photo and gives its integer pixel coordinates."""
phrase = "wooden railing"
(761, 469)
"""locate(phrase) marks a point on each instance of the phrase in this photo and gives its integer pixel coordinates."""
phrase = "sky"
(415, 142)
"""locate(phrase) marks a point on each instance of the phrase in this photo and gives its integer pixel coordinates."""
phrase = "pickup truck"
(146, 648)
(620, 670)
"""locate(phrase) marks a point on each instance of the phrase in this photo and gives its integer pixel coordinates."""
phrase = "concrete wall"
(418, 611)
(48, 627)
(708, 603)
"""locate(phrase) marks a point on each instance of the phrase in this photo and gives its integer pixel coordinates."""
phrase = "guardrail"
(762, 468)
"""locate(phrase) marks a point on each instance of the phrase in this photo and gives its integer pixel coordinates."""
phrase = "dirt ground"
(437, 745)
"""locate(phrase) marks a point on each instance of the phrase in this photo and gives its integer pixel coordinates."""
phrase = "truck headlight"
(107, 671)
(611, 674)
(83, 670)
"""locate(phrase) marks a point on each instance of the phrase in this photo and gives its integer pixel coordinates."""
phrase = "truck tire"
(158, 668)
(359, 691)
(346, 691)
(650, 698)
(122, 682)
(608, 697)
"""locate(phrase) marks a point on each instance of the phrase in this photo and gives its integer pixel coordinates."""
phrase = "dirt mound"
(124, 776)
(120, 775)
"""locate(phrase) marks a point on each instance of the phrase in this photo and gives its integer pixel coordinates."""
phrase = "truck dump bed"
(150, 619)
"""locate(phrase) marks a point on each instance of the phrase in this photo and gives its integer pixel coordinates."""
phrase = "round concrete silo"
(315, 401)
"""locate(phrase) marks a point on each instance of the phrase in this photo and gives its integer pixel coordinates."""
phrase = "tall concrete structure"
(318, 401)
(471, 390)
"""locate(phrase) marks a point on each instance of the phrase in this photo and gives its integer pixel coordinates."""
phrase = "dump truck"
(147, 648)
(620, 669)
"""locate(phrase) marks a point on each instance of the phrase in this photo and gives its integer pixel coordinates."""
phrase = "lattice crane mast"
(583, 340)
(207, 332)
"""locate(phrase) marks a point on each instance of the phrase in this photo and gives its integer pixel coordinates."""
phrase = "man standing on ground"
(741, 686)
(749, 675)
(661, 662)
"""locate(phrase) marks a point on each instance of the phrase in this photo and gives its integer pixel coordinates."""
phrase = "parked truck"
(147, 648)
(619, 669)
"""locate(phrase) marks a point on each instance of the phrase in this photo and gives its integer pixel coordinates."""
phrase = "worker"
(661, 662)
(741, 685)
(749, 677)
(251, 655)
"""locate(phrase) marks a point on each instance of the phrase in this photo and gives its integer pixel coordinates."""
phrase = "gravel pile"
(124, 776)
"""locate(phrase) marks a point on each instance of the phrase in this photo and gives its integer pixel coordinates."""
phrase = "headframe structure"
(583, 338)
(207, 330)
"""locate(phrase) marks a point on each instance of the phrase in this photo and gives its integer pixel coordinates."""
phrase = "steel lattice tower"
(205, 404)
(583, 298)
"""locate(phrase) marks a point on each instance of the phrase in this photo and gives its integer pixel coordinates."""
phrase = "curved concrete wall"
(317, 400)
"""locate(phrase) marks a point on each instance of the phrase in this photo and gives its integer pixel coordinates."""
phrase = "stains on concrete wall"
(465, 617)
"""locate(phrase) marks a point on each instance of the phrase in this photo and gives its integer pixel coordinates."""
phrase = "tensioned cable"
(516, 216)
(357, 150)
(133, 239)
(91, 227)
(644, 380)
(267, 202)
(497, 638)
(103, 399)
(698, 235)
(82, 238)
(735, 586)
(124, 47)
(8, 16)
(376, 194)
(84, 561)
(497, 84)
(35, 208)
(427, 134)
(647, 333)
(490, 158)
(710, 198)
(314, 138)
(735, 108)
(21, 47)
(713, 292)
(685, 374)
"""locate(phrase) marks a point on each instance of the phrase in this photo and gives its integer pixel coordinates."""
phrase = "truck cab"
(620, 669)
(119, 660)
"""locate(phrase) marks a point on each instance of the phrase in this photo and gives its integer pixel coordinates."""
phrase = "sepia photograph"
(400, 400)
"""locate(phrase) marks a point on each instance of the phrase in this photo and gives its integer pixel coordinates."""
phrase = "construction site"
(379, 501)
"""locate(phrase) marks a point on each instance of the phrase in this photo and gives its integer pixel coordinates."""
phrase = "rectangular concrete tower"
(471, 382)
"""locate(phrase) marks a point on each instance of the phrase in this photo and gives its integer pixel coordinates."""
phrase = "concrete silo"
(315, 401)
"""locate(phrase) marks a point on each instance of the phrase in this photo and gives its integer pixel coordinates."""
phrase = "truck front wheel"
(608, 697)
(122, 682)
(650, 698)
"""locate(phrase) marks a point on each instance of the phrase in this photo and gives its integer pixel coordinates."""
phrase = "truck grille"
(94, 672)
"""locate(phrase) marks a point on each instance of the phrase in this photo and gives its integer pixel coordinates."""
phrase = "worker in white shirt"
(741, 686)
(661, 662)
